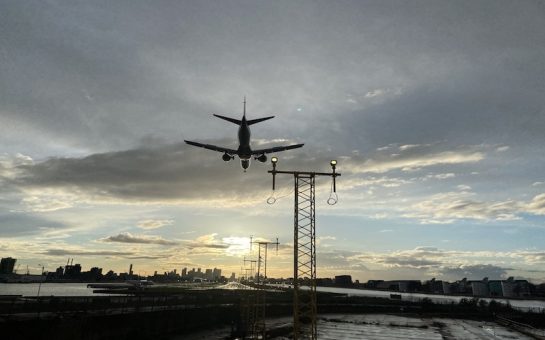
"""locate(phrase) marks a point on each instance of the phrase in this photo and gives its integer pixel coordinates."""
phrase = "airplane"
(244, 151)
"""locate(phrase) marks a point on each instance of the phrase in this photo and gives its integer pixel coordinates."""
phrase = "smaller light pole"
(41, 279)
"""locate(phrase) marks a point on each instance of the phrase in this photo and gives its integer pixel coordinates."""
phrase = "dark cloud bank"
(169, 172)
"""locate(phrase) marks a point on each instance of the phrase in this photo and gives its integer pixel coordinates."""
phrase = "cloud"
(321, 241)
(386, 147)
(532, 257)
(409, 262)
(143, 239)
(154, 224)
(177, 173)
(420, 257)
(323, 238)
(64, 252)
(16, 224)
(448, 67)
(207, 241)
(376, 93)
(426, 249)
(212, 245)
(170, 173)
(429, 261)
(446, 208)
(10, 163)
(440, 176)
(407, 162)
(147, 257)
(451, 206)
(475, 272)
(46, 203)
(409, 146)
(386, 182)
(338, 260)
(537, 205)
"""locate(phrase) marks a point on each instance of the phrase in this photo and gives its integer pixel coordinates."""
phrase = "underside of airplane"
(244, 151)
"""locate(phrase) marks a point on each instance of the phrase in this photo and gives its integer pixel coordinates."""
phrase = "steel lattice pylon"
(259, 328)
(304, 259)
(248, 305)
(304, 248)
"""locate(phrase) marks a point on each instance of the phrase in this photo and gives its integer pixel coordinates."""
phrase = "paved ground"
(389, 327)
(378, 327)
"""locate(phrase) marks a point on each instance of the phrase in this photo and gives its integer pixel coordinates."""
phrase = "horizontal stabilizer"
(212, 147)
(258, 120)
(232, 120)
(276, 149)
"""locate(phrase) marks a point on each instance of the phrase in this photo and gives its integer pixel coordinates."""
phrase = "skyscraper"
(216, 274)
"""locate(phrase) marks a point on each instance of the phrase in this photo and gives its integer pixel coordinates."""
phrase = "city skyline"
(433, 110)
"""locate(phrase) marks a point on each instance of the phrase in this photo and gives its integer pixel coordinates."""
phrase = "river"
(80, 289)
(46, 289)
(520, 304)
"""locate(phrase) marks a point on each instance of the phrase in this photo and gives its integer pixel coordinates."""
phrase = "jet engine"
(226, 157)
(262, 158)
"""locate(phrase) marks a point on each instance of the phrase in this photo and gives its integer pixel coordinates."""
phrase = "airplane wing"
(276, 149)
(212, 147)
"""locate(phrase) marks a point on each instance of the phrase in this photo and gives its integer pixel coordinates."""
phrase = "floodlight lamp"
(333, 163)
(274, 160)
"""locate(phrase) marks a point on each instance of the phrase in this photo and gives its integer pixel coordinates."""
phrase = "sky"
(433, 109)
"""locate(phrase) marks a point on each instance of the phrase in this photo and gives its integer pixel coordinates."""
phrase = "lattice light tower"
(262, 256)
(248, 303)
(304, 248)
(259, 326)
(251, 269)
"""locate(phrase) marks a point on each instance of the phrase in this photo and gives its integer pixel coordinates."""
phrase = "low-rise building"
(515, 288)
(480, 288)
(6, 265)
(343, 280)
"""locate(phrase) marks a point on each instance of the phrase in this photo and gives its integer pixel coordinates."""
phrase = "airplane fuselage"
(244, 151)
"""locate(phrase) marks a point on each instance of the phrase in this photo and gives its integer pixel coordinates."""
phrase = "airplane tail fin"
(258, 120)
(232, 120)
(252, 121)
